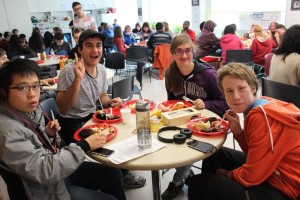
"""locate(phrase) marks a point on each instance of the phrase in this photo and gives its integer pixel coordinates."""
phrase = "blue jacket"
(109, 33)
(128, 38)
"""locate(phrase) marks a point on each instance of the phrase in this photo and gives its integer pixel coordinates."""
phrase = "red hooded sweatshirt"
(273, 155)
(260, 47)
(230, 42)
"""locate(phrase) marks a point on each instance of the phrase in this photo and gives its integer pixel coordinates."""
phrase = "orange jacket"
(162, 56)
(280, 166)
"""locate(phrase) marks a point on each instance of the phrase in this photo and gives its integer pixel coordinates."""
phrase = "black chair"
(14, 184)
(241, 56)
(136, 54)
(115, 60)
(244, 56)
(281, 91)
(122, 89)
(48, 105)
(108, 45)
(139, 78)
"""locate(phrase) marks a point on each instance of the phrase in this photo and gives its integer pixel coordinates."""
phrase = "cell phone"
(103, 152)
(201, 146)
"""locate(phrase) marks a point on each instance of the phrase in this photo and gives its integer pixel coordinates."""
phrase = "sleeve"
(66, 77)
(120, 45)
(261, 162)
(253, 47)
(216, 101)
(31, 161)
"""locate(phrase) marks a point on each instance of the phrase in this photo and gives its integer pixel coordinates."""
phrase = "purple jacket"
(202, 84)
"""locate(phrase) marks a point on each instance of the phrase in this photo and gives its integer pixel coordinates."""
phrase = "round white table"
(171, 156)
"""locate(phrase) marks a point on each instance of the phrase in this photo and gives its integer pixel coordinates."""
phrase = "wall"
(3, 22)
(17, 16)
(292, 17)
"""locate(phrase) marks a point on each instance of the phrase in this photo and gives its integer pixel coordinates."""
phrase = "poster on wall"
(195, 2)
(295, 5)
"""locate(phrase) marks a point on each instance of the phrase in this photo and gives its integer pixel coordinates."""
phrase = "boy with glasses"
(28, 146)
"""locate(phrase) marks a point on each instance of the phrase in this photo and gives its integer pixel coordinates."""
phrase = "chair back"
(14, 184)
(123, 88)
(241, 56)
(48, 105)
(115, 60)
(137, 54)
(268, 58)
(281, 91)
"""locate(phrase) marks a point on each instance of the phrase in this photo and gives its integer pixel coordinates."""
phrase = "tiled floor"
(156, 91)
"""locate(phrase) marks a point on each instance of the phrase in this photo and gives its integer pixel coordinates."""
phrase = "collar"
(258, 102)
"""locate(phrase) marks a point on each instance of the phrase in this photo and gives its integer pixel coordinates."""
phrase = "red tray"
(115, 111)
(204, 119)
(171, 103)
(131, 104)
(109, 137)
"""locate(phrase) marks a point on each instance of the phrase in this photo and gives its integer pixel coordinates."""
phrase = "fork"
(188, 99)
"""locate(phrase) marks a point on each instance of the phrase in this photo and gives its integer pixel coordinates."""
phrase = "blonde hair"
(238, 71)
(258, 31)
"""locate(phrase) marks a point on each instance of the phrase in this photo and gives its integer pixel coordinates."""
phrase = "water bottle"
(144, 138)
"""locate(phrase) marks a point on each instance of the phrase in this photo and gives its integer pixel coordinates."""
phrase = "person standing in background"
(186, 29)
(115, 24)
(83, 20)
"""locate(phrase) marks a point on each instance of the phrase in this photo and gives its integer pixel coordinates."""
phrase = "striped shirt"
(90, 90)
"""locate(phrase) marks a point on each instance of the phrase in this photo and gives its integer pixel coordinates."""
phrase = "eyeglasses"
(179, 52)
(75, 9)
(26, 89)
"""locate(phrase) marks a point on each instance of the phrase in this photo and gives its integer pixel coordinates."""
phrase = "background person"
(267, 168)
(82, 20)
(3, 57)
(76, 34)
(47, 171)
(186, 29)
(285, 64)
(59, 46)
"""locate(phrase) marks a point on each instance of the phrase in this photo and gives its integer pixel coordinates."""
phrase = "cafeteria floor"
(156, 91)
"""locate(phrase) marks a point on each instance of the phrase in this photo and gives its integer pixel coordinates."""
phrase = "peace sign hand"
(79, 68)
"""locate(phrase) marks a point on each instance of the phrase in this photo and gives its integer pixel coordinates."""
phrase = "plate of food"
(208, 126)
(131, 104)
(104, 128)
(106, 115)
(172, 105)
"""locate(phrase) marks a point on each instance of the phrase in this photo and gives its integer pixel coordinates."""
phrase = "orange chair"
(268, 58)
(162, 59)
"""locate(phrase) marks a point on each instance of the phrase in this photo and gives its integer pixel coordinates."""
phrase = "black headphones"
(177, 138)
